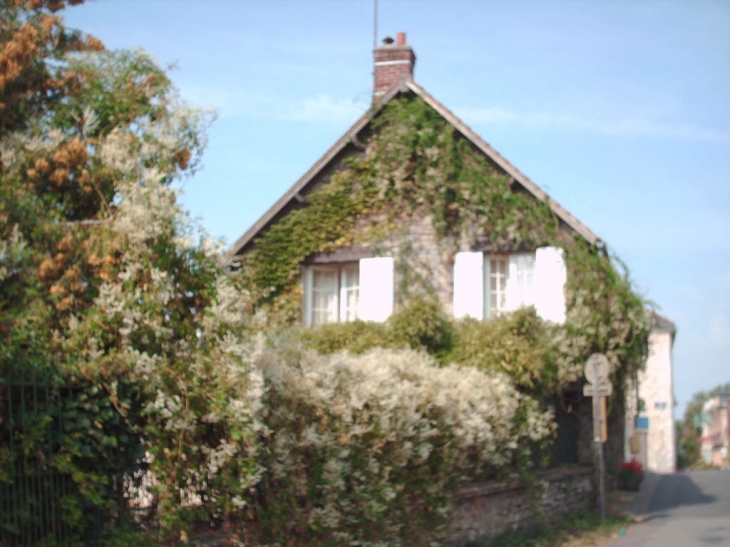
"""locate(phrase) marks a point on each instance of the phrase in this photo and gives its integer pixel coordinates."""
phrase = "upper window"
(332, 293)
(508, 283)
(347, 291)
(490, 285)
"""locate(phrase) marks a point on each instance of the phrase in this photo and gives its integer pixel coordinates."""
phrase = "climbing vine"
(415, 165)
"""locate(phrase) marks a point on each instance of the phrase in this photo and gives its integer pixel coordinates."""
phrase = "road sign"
(597, 368)
(604, 389)
(596, 371)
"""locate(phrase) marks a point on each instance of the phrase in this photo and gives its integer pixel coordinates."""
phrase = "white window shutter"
(469, 285)
(551, 275)
(376, 288)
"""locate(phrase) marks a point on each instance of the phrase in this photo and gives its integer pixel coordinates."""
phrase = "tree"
(689, 430)
(105, 281)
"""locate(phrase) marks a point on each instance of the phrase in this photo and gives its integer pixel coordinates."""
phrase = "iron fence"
(31, 492)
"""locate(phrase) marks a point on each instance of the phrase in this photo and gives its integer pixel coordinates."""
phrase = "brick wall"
(485, 510)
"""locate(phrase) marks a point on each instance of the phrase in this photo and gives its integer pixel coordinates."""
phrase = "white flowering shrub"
(107, 285)
(169, 320)
(368, 449)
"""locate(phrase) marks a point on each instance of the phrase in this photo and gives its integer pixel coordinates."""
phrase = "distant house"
(716, 430)
(650, 429)
(476, 278)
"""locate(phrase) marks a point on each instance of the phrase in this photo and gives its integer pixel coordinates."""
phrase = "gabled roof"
(295, 193)
(662, 323)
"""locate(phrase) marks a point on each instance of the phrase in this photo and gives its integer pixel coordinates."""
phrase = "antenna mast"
(375, 24)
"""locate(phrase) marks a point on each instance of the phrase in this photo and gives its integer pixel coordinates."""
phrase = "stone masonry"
(485, 510)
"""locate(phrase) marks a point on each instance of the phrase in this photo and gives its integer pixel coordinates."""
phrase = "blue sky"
(620, 110)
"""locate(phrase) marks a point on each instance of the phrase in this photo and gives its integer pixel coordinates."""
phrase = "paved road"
(684, 510)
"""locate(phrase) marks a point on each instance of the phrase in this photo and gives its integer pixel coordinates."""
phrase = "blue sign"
(642, 422)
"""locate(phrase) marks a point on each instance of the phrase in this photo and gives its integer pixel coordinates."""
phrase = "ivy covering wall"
(414, 164)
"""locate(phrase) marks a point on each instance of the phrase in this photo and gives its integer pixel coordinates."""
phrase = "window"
(508, 283)
(495, 273)
(347, 291)
(490, 285)
(332, 293)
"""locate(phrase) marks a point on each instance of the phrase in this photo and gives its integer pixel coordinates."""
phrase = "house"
(716, 430)
(471, 272)
(650, 431)
(411, 201)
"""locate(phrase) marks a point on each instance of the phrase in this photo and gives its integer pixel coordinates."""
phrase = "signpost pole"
(596, 371)
(597, 438)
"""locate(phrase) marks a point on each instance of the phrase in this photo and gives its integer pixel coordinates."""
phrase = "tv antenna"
(375, 24)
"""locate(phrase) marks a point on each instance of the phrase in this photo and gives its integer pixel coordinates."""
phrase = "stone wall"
(424, 264)
(485, 510)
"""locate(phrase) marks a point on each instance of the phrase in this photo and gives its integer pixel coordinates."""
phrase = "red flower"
(633, 465)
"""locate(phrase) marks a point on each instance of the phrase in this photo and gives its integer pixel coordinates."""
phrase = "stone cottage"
(410, 201)
(480, 278)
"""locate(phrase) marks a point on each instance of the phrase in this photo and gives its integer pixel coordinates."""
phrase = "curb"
(641, 503)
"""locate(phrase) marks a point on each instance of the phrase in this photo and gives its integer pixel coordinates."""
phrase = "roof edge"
(661, 323)
(406, 84)
(500, 160)
(307, 177)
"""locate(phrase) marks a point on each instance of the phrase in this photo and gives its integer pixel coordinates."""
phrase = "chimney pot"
(401, 38)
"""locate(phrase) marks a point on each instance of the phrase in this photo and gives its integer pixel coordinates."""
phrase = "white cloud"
(317, 109)
(321, 108)
(616, 126)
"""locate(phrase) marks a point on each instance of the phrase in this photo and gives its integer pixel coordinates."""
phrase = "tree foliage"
(106, 283)
(689, 430)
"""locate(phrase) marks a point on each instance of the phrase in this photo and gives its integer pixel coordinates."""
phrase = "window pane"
(349, 291)
(524, 282)
(324, 296)
(496, 271)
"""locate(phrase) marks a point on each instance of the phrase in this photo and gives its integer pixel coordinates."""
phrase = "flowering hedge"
(368, 449)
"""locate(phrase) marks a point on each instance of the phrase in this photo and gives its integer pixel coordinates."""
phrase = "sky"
(620, 110)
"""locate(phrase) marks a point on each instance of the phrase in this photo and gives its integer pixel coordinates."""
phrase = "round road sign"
(598, 363)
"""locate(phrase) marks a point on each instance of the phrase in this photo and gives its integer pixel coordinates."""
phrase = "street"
(685, 510)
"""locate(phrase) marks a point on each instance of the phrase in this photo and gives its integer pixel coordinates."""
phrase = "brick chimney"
(393, 61)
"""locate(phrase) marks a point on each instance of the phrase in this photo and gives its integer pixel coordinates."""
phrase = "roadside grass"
(579, 529)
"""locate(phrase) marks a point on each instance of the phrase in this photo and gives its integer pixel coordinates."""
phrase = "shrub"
(367, 448)
(517, 344)
(422, 324)
(355, 336)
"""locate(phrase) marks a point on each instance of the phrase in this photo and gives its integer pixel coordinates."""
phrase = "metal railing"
(31, 492)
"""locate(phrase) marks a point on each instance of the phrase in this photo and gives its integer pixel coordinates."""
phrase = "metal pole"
(375, 24)
(597, 440)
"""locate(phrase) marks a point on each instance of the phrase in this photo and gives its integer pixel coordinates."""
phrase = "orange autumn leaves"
(30, 35)
(69, 273)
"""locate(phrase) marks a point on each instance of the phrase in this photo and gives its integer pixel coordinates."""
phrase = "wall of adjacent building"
(656, 391)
